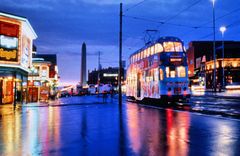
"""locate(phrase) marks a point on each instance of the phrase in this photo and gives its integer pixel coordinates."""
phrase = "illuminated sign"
(110, 75)
(9, 34)
(8, 42)
(8, 55)
(9, 29)
(25, 51)
(175, 59)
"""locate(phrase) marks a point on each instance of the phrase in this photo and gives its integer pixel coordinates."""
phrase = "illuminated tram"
(159, 71)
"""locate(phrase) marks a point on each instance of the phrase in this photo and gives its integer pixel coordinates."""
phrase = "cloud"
(30, 4)
(110, 2)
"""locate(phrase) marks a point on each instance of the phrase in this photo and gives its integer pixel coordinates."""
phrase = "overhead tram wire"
(221, 17)
(218, 18)
(134, 6)
(162, 22)
(182, 11)
(228, 26)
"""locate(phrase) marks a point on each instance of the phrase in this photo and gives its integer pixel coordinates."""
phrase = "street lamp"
(214, 49)
(223, 29)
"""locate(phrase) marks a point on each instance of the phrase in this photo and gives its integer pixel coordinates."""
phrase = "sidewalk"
(228, 94)
(74, 100)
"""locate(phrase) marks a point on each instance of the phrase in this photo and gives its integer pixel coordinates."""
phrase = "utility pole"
(120, 60)
(99, 67)
(99, 60)
(214, 50)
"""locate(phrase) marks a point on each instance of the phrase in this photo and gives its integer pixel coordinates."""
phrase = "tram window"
(167, 71)
(181, 72)
(147, 51)
(152, 50)
(142, 54)
(168, 46)
(158, 48)
(172, 73)
(155, 74)
(178, 46)
(161, 74)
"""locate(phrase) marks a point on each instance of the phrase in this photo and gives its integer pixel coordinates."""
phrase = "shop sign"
(26, 47)
(198, 62)
(8, 42)
(8, 55)
(9, 34)
(9, 29)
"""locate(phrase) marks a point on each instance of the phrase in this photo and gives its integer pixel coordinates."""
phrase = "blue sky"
(63, 25)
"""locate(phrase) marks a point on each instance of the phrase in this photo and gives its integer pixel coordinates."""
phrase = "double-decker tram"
(159, 71)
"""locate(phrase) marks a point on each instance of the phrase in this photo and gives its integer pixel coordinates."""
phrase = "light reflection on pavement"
(95, 128)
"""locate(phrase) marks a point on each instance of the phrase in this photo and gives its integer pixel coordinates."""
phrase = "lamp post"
(223, 29)
(120, 60)
(214, 49)
(32, 70)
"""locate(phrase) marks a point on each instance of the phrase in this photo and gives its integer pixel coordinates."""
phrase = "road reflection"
(29, 131)
(10, 126)
(154, 132)
(102, 129)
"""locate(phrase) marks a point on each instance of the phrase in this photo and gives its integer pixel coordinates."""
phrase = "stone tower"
(83, 71)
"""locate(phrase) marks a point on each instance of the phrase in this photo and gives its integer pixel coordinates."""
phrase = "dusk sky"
(63, 25)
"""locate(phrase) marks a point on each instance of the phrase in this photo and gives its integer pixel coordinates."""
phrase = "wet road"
(85, 126)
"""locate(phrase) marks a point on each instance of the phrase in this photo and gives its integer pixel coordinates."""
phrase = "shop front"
(12, 85)
(16, 36)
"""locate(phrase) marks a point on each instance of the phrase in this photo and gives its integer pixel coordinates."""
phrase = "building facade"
(201, 63)
(43, 79)
(16, 39)
(105, 76)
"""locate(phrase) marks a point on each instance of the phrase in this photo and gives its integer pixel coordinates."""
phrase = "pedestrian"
(112, 94)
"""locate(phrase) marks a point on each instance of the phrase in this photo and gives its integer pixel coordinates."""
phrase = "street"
(86, 126)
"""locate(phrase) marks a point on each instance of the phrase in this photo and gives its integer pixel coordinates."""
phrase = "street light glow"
(223, 29)
(213, 1)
